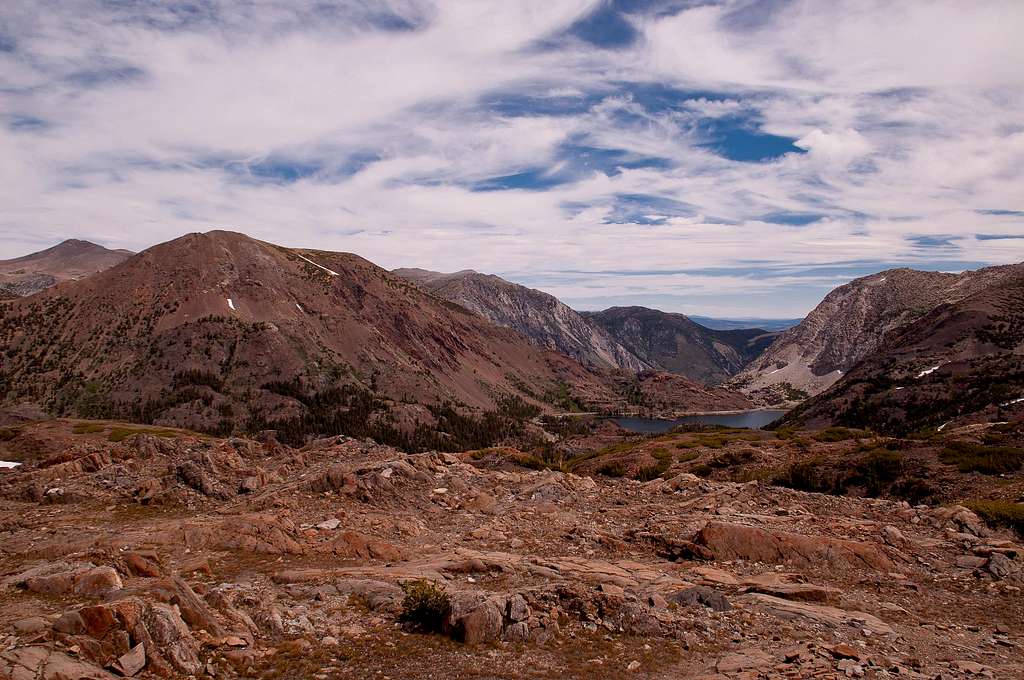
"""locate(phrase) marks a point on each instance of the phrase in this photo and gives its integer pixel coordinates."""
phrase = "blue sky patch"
(97, 77)
(1002, 213)
(932, 241)
(644, 209)
(791, 218)
(738, 139)
(26, 123)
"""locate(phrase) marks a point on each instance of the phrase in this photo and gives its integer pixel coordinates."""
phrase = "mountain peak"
(68, 260)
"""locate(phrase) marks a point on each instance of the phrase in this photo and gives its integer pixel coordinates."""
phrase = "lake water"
(755, 420)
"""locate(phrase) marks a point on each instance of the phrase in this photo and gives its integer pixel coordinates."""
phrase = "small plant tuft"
(425, 606)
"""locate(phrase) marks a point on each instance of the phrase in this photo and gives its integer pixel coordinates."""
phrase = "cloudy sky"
(730, 158)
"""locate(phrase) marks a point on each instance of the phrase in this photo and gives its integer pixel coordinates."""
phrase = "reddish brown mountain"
(961, 362)
(220, 331)
(70, 260)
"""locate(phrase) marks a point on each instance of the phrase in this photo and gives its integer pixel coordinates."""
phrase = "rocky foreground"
(127, 551)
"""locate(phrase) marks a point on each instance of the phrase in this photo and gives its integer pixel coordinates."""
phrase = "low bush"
(664, 462)
(989, 460)
(806, 475)
(732, 458)
(702, 470)
(878, 470)
(839, 434)
(1000, 514)
(612, 470)
(425, 606)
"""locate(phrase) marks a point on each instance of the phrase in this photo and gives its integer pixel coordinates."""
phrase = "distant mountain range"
(674, 343)
(629, 338)
(540, 317)
(716, 324)
(221, 332)
(72, 259)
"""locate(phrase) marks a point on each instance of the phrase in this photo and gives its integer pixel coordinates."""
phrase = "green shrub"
(732, 458)
(7, 434)
(806, 475)
(989, 460)
(786, 432)
(879, 469)
(1000, 514)
(664, 458)
(425, 606)
(915, 490)
(688, 456)
(838, 434)
(702, 470)
(528, 461)
(612, 470)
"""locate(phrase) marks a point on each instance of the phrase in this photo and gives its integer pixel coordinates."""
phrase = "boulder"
(1000, 566)
(475, 618)
(98, 582)
(355, 544)
(40, 663)
(139, 564)
(736, 541)
(131, 662)
(833, 617)
(708, 597)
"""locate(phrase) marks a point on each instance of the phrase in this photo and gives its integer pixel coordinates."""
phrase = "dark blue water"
(755, 420)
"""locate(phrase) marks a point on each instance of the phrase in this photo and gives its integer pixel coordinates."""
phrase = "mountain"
(743, 324)
(72, 259)
(961, 361)
(852, 323)
(539, 316)
(674, 343)
(219, 331)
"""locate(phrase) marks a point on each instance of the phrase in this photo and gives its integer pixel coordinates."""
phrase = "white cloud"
(910, 114)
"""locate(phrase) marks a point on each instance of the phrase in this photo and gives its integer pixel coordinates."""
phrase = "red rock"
(141, 565)
(736, 541)
(98, 582)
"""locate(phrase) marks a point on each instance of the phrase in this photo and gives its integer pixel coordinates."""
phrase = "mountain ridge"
(851, 323)
(673, 342)
(68, 260)
(539, 316)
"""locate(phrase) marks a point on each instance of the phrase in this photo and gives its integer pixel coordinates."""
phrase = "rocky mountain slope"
(540, 317)
(69, 260)
(852, 323)
(146, 554)
(221, 331)
(674, 343)
(960, 362)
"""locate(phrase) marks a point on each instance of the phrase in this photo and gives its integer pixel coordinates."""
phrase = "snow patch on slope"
(231, 304)
(329, 271)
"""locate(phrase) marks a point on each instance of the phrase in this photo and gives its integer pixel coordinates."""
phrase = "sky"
(732, 158)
